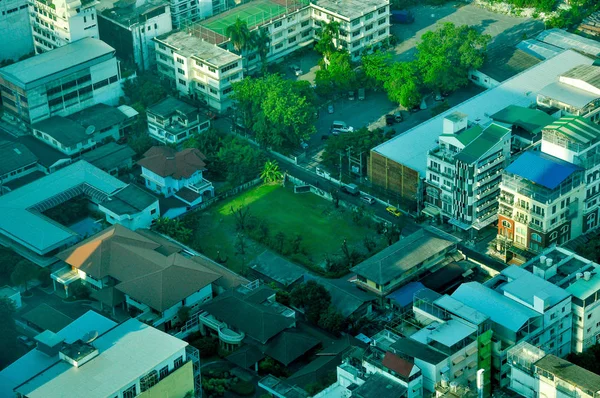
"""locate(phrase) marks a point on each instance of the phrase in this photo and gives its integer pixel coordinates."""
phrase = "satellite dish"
(90, 336)
(90, 130)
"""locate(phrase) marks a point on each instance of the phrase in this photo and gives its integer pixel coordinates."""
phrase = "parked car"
(26, 341)
(414, 109)
(297, 71)
(351, 95)
(367, 199)
(361, 94)
(340, 127)
(350, 189)
(390, 120)
(303, 144)
(439, 97)
(398, 116)
(330, 108)
(393, 211)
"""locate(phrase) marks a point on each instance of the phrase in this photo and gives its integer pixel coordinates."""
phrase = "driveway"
(505, 30)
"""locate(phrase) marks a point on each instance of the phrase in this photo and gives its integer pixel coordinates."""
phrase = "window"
(277, 24)
(369, 27)
(164, 372)
(553, 235)
(228, 90)
(211, 69)
(178, 362)
(305, 23)
(148, 381)
(180, 60)
(564, 229)
(368, 16)
(293, 39)
(506, 224)
(153, 211)
(84, 19)
(182, 82)
(536, 237)
(131, 392)
(381, 10)
(212, 90)
(180, 71)
(229, 67)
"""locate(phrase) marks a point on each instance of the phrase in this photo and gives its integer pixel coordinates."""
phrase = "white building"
(178, 174)
(579, 277)
(464, 172)
(130, 28)
(172, 121)
(62, 81)
(124, 360)
(131, 207)
(15, 30)
(56, 23)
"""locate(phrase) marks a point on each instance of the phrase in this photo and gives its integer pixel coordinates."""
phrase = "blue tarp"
(404, 296)
(542, 169)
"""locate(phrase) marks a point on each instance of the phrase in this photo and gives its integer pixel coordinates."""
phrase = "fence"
(224, 195)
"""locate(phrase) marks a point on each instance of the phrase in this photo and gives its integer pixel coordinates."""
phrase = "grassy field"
(322, 227)
(254, 13)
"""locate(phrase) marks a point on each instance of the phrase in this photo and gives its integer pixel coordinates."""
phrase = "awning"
(431, 211)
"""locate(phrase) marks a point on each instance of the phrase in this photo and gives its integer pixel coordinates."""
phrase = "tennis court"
(254, 13)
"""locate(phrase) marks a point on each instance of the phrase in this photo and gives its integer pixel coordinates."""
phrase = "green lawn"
(323, 228)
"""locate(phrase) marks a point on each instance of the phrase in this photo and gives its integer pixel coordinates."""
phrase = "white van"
(340, 127)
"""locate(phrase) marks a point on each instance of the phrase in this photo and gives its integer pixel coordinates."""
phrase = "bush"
(208, 346)
(79, 291)
(243, 388)
(44, 277)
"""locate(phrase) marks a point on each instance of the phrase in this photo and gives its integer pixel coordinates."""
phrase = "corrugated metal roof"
(539, 49)
(576, 129)
(489, 137)
(568, 94)
(587, 73)
(563, 39)
(529, 119)
(542, 169)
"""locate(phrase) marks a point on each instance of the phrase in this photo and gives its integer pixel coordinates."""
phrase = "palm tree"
(239, 34)
(271, 172)
(261, 42)
(328, 33)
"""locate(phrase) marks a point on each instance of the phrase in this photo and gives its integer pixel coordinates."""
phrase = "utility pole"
(341, 153)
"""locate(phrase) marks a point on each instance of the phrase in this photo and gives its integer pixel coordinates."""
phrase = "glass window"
(131, 392)
(178, 362)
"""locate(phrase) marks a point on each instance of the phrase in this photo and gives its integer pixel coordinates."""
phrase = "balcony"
(201, 186)
(230, 336)
(535, 227)
(506, 199)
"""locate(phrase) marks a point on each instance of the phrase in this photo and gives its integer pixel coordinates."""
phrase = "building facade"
(15, 29)
(61, 82)
(56, 23)
(173, 121)
(464, 172)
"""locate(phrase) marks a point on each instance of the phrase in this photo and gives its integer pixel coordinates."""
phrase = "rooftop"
(476, 149)
(505, 63)
(109, 156)
(351, 9)
(402, 256)
(526, 287)
(404, 295)
(410, 148)
(129, 200)
(541, 168)
(53, 62)
(501, 310)
(576, 129)
(539, 49)
(346, 297)
(458, 308)
(13, 156)
(129, 15)
(100, 116)
(571, 373)
(378, 386)
(171, 105)
(415, 349)
(529, 119)
(568, 94)
(565, 40)
(66, 131)
(192, 46)
(47, 156)
(168, 162)
(277, 268)
(589, 74)
(20, 219)
(45, 317)
(126, 352)
(447, 334)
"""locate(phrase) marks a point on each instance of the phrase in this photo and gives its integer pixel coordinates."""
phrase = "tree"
(242, 216)
(328, 33)
(393, 234)
(43, 276)
(279, 241)
(261, 41)
(24, 272)
(240, 244)
(296, 244)
(183, 313)
(339, 76)
(173, 228)
(376, 66)
(239, 34)
(313, 298)
(402, 85)
(369, 244)
(8, 331)
(79, 290)
(331, 320)
(445, 56)
(271, 172)
(361, 141)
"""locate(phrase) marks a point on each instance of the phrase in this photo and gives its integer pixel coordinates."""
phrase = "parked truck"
(402, 17)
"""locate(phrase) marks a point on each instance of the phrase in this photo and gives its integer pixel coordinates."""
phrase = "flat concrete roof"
(189, 45)
(351, 9)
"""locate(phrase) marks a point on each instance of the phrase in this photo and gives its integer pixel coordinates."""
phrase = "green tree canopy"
(445, 55)
(338, 76)
(261, 41)
(328, 33)
(313, 298)
(361, 140)
(239, 34)
(271, 172)
(23, 273)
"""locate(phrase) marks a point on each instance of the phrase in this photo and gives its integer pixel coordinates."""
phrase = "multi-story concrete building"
(124, 360)
(61, 82)
(464, 172)
(580, 277)
(535, 375)
(521, 307)
(199, 69)
(56, 23)
(129, 28)
(15, 30)
(172, 121)
(576, 93)
(363, 24)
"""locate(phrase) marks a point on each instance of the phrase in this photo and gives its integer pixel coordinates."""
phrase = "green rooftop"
(482, 143)
(467, 136)
(530, 120)
(576, 129)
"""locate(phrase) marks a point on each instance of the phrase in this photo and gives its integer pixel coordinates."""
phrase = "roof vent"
(579, 275)
(587, 275)
(543, 260)
(90, 130)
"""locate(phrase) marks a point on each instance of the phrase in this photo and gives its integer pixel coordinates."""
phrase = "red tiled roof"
(397, 364)
(167, 162)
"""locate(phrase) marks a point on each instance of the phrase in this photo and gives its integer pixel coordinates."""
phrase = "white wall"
(143, 219)
(143, 45)
(192, 301)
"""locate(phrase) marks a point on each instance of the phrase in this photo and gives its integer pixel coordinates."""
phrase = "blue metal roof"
(542, 169)
(404, 295)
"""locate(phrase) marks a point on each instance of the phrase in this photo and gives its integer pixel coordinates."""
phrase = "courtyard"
(313, 231)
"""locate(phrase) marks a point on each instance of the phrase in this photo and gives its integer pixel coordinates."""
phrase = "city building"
(139, 271)
(123, 360)
(410, 258)
(579, 277)
(534, 374)
(56, 23)
(61, 82)
(464, 173)
(172, 173)
(38, 238)
(591, 25)
(16, 161)
(15, 30)
(576, 93)
(131, 207)
(560, 38)
(526, 125)
(522, 307)
(399, 166)
(130, 26)
(200, 60)
(173, 121)
(501, 64)
(110, 157)
(541, 202)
